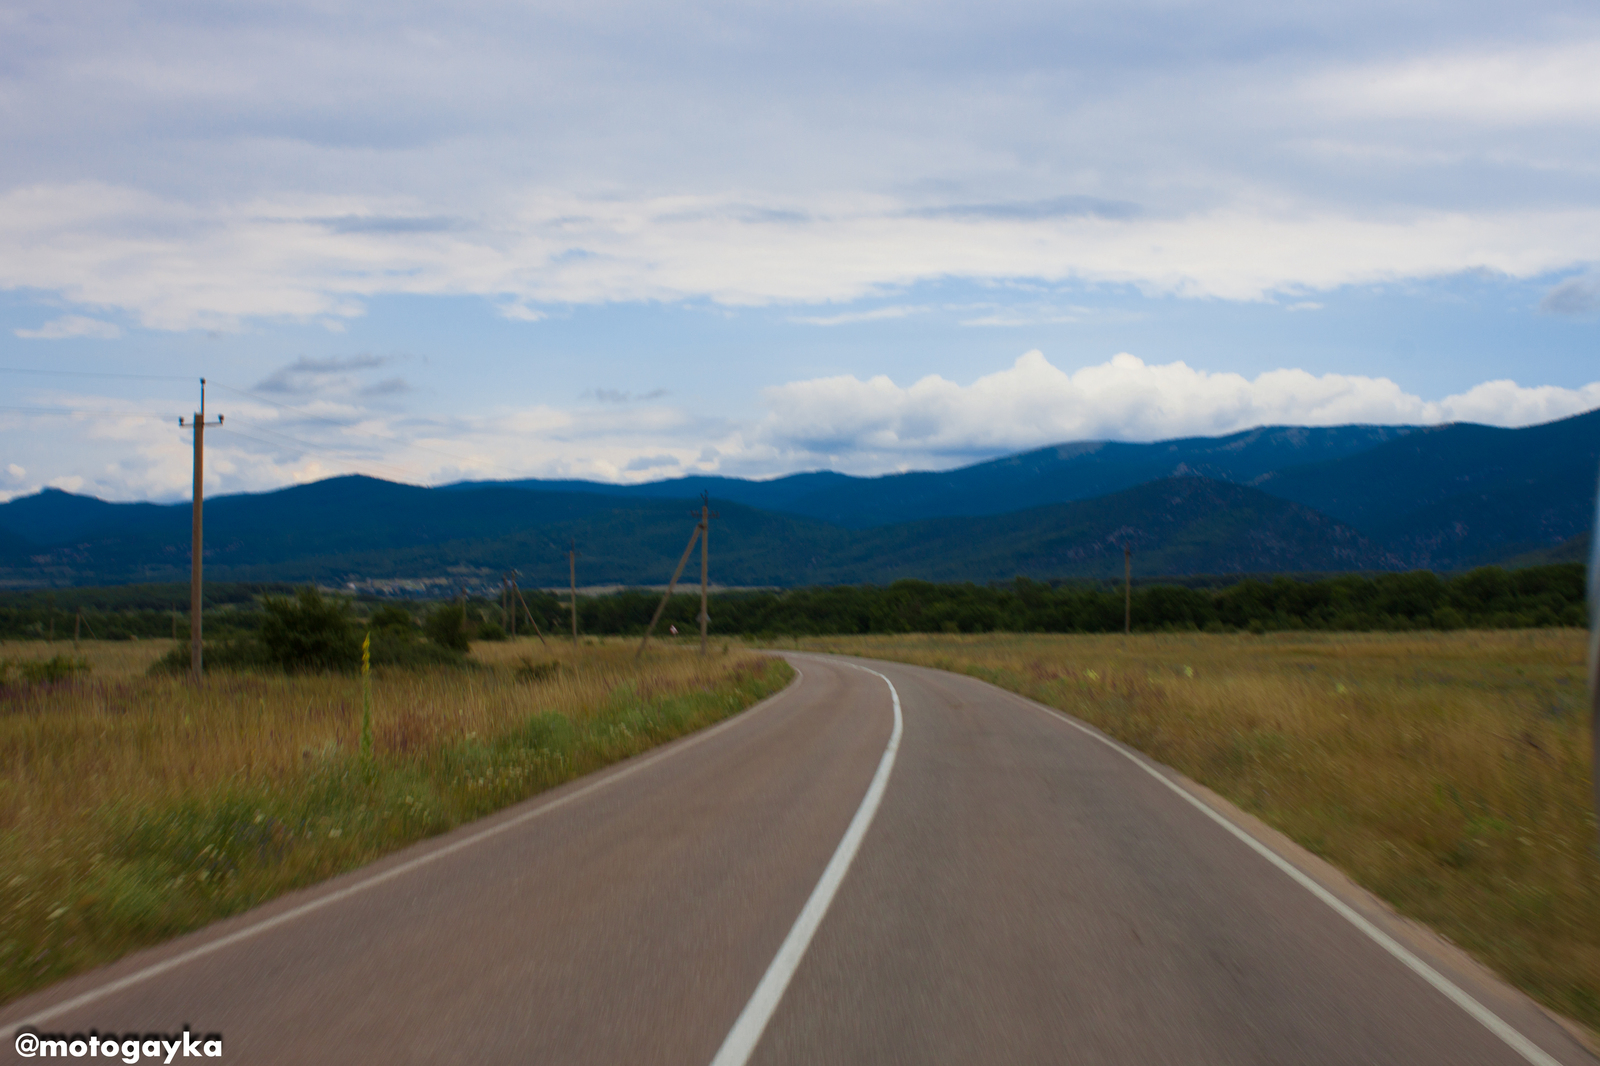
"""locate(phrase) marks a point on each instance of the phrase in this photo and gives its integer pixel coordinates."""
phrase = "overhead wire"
(94, 374)
(84, 411)
(285, 439)
(345, 425)
(250, 394)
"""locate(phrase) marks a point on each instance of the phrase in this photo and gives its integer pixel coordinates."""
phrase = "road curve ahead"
(881, 864)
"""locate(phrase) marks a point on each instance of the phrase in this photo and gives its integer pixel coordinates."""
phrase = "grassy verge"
(1446, 772)
(134, 808)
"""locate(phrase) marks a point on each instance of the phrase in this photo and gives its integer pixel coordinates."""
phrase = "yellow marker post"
(366, 698)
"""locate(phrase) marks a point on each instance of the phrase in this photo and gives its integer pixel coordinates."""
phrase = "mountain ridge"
(1445, 497)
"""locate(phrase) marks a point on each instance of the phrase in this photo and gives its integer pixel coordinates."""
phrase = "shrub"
(529, 670)
(394, 620)
(447, 626)
(490, 631)
(391, 648)
(240, 654)
(44, 671)
(309, 632)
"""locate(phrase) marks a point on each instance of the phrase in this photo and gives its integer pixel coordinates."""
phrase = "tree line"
(1486, 598)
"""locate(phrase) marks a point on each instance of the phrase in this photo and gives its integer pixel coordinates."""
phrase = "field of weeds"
(137, 807)
(1447, 772)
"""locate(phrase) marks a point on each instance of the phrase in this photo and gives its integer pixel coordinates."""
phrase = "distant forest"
(1486, 598)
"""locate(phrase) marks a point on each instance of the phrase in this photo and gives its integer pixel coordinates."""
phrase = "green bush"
(446, 626)
(234, 654)
(309, 632)
(44, 671)
(393, 619)
(490, 631)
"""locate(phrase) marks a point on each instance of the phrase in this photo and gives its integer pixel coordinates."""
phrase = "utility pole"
(671, 585)
(197, 542)
(1127, 590)
(572, 574)
(706, 515)
(528, 610)
(1594, 657)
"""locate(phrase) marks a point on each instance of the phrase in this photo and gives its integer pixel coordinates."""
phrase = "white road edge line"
(1483, 1015)
(304, 909)
(752, 1021)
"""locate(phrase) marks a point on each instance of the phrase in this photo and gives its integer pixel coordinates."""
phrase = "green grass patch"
(136, 872)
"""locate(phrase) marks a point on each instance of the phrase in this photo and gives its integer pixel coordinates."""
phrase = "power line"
(91, 374)
(352, 457)
(85, 411)
(346, 425)
(285, 438)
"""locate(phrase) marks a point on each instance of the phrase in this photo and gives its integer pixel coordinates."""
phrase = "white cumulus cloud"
(1033, 403)
(843, 423)
(69, 326)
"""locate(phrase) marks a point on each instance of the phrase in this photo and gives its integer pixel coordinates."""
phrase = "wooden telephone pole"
(701, 528)
(706, 515)
(572, 574)
(197, 543)
(510, 598)
(1127, 590)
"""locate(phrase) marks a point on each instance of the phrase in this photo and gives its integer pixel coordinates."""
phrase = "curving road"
(881, 864)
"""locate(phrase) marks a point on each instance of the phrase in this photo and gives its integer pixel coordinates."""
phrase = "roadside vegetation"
(1447, 772)
(135, 805)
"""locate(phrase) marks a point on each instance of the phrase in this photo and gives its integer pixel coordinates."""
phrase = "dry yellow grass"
(1449, 773)
(133, 807)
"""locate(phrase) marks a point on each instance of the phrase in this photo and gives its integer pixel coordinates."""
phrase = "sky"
(627, 241)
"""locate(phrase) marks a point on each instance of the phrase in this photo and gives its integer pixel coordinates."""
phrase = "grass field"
(1448, 773)
(134, 808)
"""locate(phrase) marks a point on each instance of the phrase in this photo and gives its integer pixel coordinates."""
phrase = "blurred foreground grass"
(136, 807)
(1447, 772)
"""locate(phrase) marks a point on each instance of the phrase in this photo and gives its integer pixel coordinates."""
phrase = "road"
(830, 878)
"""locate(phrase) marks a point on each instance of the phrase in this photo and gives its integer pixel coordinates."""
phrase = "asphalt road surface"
(905, 866)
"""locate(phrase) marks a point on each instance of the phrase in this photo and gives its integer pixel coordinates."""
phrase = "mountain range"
(1273, 499)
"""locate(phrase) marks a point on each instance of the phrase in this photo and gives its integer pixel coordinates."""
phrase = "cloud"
(1575, 296)
(1487, 85)
(217, 266)
(844, 423)
(388, 224)
(1034, 210)
(70, 326)
(620, 396)
(877, 314)
(387, 387)
(517, 311)
(305, 375)
(1028, 315)
(200, 173)
(1034, 403)
(652, 462)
